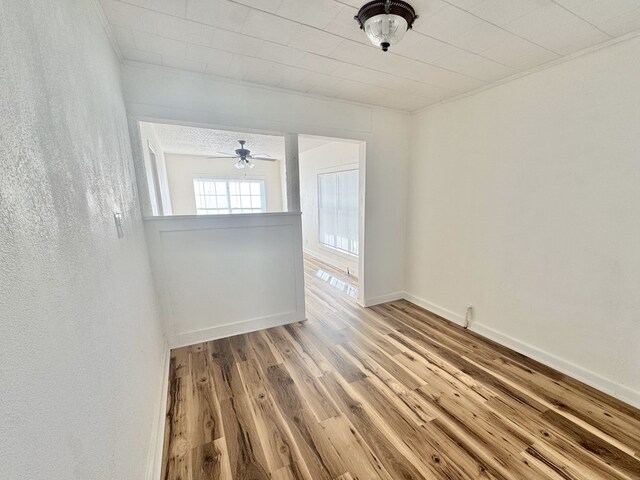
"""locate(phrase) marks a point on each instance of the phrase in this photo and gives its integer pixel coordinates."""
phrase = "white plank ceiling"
(315, 46)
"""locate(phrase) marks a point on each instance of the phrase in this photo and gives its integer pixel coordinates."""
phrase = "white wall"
(81, 351)
(224, 275)
(330, 157)
(191, 98)
(81, 347)
(525, 202)
(182, 169)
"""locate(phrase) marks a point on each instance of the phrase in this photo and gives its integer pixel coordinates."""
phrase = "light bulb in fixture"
(250, 165)
(240, 164)
(386, 21)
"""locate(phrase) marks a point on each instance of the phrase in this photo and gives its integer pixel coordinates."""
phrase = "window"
(338, 210)
(222, 196)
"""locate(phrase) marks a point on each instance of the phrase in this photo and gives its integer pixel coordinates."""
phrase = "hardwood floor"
(390, 392)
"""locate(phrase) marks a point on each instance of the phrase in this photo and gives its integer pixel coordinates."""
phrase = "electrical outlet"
(468, 316)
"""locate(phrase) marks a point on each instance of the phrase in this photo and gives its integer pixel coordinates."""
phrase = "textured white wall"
(525, 203)
(182, 169)
(190, 98)
(81, 350)
(330, 157)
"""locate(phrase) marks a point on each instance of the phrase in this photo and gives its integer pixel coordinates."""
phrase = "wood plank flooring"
(391, 392)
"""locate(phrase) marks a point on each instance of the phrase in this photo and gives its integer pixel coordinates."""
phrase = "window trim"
(263, 193)
(155, 178)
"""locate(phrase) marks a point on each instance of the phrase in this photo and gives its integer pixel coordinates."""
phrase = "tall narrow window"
(223, 196)
(338, 210)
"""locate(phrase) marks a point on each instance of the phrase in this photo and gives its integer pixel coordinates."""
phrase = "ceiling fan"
(244, 156)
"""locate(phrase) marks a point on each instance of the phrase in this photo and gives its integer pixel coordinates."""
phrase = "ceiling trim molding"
(545, 66)
(107, 30)
(243, 83)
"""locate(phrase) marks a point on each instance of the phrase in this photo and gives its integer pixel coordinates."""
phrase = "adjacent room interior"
(332, 207)
(319, 239)
(196, 171)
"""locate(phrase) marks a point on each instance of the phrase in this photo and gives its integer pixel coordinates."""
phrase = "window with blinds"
(338, 210)
(223, 196)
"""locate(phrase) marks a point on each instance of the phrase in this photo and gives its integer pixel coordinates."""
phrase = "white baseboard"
(575, 371)
(437, 309)
(154, 463)
(626, 394)
(389, 297)
(231, 329)
(592, 379)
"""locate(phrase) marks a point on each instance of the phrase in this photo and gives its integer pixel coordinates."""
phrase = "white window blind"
(338, 210)
(222, 196)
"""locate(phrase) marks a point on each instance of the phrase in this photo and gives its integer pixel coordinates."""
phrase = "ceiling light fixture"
(386, 21)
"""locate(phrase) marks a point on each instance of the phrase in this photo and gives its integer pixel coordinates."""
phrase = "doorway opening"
(332, 204)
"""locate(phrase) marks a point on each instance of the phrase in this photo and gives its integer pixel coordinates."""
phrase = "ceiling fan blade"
(270, 159)
(224, 158)
(256, 155)
(228, 154)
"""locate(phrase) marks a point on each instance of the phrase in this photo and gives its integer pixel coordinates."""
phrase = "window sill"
(337, 251)
(232, 215)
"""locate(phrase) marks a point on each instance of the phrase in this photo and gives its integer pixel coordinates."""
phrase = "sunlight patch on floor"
(337, 283)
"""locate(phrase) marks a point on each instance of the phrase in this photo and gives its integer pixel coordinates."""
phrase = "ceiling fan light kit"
(242, 164)
(243, 157)
(386, 21)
